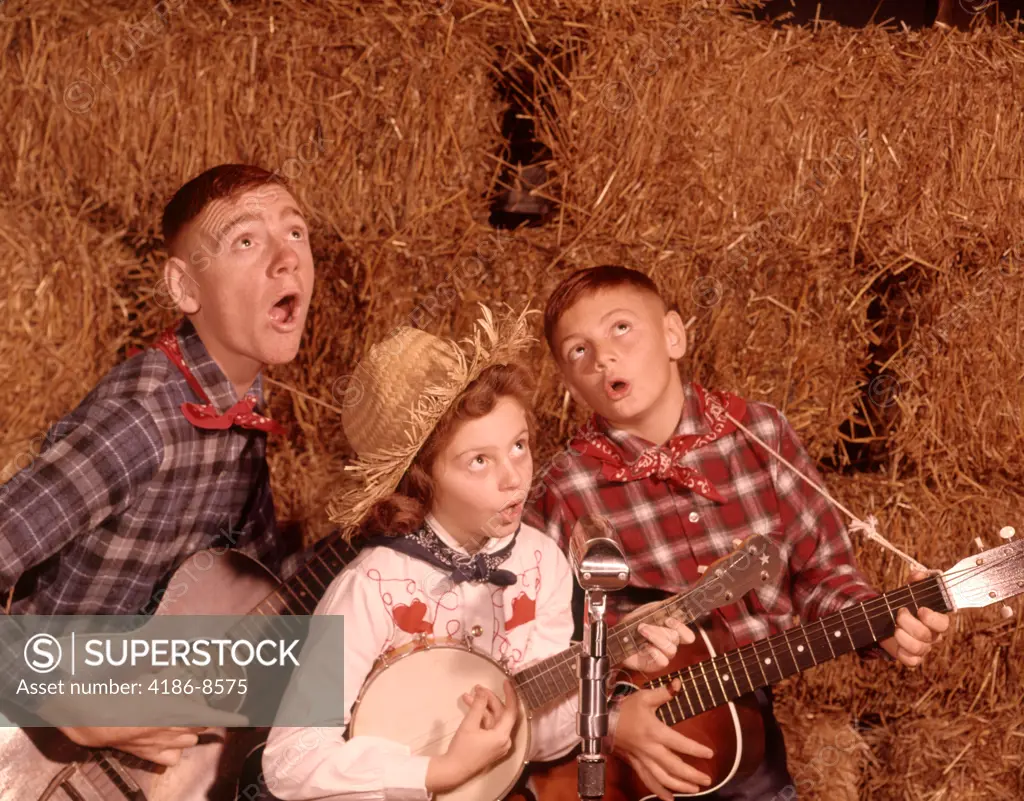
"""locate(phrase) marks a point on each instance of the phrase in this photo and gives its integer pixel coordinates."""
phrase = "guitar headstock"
(755, 563)
(987, 578)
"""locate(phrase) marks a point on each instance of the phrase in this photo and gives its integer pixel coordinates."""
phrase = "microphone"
(600, 567)
(596, 555)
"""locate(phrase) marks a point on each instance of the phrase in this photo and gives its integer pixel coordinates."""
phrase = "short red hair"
(222, 181)
(586, 282)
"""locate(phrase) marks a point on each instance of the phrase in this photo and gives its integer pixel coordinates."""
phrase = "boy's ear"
(179, 289)
(675, 335)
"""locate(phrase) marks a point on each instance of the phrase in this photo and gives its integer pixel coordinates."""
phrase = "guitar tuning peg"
(1006, 612)
(1007, 532)
(702, 569)
(980, 545)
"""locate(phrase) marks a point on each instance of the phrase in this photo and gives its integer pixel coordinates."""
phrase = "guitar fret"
(306, 591)
(750, 682)
(696, 688)
(710, 687)
(752, 648)
(686, 694)
(792, 655)
(827, 638)
(770, 661)
(913, 600)
(885, 597)
(676, 714)
(732, 689)
(867, 619)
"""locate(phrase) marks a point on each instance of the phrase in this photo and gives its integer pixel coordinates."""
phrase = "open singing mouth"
(285, 309)
(616, 388)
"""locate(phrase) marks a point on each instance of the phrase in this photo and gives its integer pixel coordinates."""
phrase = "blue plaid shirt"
(125, 488)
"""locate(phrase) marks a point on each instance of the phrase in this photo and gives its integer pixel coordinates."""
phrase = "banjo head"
(415, 699)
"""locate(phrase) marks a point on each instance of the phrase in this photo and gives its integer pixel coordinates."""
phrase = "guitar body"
(735, 732)
(40, 764)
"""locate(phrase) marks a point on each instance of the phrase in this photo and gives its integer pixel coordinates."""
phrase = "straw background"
(835, 210)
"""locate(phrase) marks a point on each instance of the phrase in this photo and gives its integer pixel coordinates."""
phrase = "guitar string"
(812, 638)
(746, 656)
(738, 656)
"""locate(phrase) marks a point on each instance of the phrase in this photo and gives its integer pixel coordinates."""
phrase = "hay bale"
(66, 316)
(963, 347)
(821, 151)
(827, 755)
(380, 120)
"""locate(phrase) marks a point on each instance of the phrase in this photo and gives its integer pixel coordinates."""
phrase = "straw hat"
(398, 394)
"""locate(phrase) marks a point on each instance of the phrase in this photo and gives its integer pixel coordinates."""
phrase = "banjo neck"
(551, 679)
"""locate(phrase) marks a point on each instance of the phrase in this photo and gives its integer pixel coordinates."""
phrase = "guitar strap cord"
(868, 526)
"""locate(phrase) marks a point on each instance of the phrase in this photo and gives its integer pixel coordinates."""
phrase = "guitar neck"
(725, 678)
(555, 677)
(301, 592)
(298, 595)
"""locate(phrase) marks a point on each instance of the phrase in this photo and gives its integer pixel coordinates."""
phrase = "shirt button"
(694, 517)
(477, 630)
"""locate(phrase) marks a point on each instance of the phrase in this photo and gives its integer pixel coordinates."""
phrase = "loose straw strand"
(868, 526)
(302, 394)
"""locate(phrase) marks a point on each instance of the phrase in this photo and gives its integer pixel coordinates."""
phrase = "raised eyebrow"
(484, 451)
(291, 211)
(613, 312)
(238, 219)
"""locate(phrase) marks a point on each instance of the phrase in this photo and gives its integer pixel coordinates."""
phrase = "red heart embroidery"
(410, 618)
(524, 609)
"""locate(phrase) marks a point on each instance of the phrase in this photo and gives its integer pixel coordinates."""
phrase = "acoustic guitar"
(38, 763)
(413, 695)
(715, 705)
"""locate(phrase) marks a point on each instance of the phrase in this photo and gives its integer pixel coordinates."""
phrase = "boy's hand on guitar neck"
(664, 641)
(915, 636)
(483, 737)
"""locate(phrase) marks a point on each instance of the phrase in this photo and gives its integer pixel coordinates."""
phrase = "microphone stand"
(592, 724)
(600, 567)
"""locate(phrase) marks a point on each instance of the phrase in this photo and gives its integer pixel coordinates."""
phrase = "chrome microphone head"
(596, 555)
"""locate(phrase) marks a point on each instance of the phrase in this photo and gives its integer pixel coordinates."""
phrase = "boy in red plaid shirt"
(679, 482)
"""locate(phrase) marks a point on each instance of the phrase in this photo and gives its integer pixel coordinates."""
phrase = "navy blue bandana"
(426, 545)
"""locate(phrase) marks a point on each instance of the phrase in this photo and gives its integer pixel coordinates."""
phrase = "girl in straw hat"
(442, 434)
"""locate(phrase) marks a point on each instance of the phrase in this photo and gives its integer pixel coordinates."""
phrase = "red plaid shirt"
(667, 532)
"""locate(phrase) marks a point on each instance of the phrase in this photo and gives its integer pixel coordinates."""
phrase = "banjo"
(410, 696)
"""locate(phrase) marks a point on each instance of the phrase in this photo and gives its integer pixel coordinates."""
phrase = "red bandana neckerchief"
(204, 415)
(663, 462)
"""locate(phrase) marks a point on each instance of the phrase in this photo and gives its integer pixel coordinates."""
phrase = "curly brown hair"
(404, 510)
